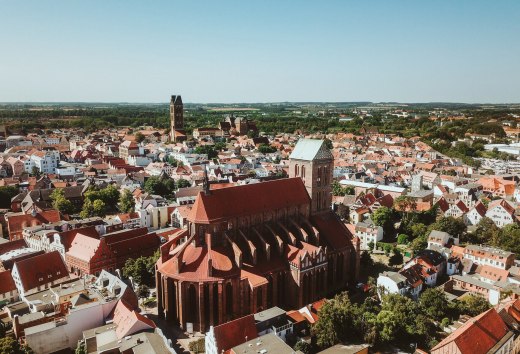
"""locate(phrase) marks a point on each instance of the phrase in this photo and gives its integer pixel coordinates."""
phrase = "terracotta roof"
(66, 237)
(6, 282)
(222, 204)
(476, 336)
(16, 223)
(129, 321)
(12, 245)
(233, 333)
(40, 270)
(332, 230)
(83, 247)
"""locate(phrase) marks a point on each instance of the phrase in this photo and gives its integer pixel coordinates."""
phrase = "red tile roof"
(248, 199)
(129, 321)
(41, 270)
(12, 245)
(332, 230)
(67, 237)
(477, 336)
(6, 282)
(16, 223)
(233, 333)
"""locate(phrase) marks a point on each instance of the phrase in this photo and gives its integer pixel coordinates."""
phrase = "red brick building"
(17, 222)
(255, 246)
(90, 255)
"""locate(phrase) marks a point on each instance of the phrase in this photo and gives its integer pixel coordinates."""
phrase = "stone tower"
(313, 162)
(417, 183)
(176, 119)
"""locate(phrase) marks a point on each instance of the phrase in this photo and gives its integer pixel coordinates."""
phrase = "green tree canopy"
(99, 208)
(126, 202)
(59, 202)
(266, 149)
(339, 190)
(160, 186)
(454, 226)
(336, 321)
(508, 238)
(434, 304)
(208, 150)
(384, 217)
(88, 209)
(9, 345)
(183, 183)
(473, 305)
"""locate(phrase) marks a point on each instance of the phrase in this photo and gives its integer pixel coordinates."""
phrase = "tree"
(266, 149)
(473, 305)
(143, 291)
(396, 258)
(366, 260)
(99, 208)
(139, 137)
(303, 347)
(402, 239)
(6, 194)
(336, 321)
(80, 349)
(159, 186)
(60, 203)
(454, 226)
(339, 190)
(434, 304)
(220, 146)
(208, 150)
(508, 238)
(110, 195)
(142, 269)
(9, 345)
(198, 346)
(88, 209)
(418, 230)
(486, 232)
(183, 183)
(126, 202)
(384, 217)
(397, 323)
(419, 244)
(35, 171)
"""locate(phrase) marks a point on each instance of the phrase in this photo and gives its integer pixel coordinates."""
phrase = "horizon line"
(259, 102)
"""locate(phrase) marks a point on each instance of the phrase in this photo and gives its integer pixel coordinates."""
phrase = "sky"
(235, 51)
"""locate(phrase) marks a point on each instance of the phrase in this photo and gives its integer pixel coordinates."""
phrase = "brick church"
(251, 247)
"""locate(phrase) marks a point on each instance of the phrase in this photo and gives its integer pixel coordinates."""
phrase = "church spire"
(205, 182)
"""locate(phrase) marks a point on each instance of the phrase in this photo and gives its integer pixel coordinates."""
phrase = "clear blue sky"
(260, 51)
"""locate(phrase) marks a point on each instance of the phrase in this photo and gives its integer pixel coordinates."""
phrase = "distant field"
(229, 109)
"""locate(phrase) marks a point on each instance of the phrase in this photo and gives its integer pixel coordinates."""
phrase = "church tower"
(313, 162)
(177, 119)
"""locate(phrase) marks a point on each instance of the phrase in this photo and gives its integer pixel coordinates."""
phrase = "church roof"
(226, 203)
(311, 149)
